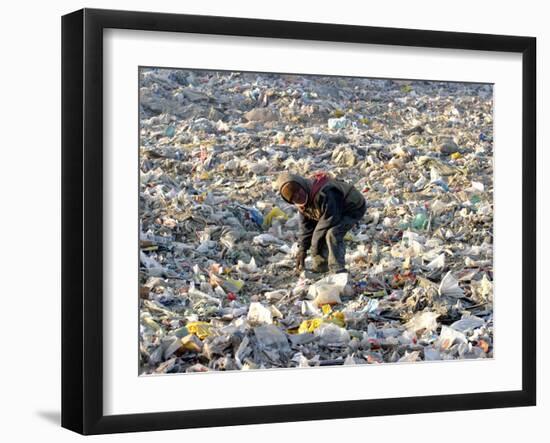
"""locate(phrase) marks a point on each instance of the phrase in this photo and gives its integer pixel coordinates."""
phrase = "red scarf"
(319, 179)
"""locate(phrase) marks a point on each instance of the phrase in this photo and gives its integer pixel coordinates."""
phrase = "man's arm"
(331, 204)
(307, 227)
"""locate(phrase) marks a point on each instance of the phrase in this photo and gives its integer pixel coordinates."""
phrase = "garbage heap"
(218, 286)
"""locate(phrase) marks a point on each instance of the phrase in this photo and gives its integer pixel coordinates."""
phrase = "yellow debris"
(232, 285)
(191, 343)
(227, 283)
(274, 213)
(200, 328)
(338, 319)
(456, 155)
(326, 309)
(310, 325)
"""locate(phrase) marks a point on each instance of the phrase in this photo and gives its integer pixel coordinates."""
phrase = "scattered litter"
(338, 123)
(423, 321)
(272, 342)
(331, 334)
(218, 287)
(468, 323)
(258, 314)
(275, 296)
(449, 286)
(328, 289)
(199, 328)
(274, 213)
(191, 343)
(449, 337)
(310, 325)
(437, 263)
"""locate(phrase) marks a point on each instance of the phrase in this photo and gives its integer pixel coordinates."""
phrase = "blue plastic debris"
(256, 216)
(170, 131)
(441, 184)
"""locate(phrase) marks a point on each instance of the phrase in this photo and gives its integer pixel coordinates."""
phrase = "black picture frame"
(82, 215)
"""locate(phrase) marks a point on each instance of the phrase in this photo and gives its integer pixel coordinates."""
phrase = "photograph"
(298, 220)
(280, 221)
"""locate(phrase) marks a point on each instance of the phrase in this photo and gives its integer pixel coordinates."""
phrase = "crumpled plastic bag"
(328, 289)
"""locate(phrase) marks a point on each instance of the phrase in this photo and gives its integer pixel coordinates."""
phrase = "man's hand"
(300, 260)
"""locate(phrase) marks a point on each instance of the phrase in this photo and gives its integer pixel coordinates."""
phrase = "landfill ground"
(218, 283)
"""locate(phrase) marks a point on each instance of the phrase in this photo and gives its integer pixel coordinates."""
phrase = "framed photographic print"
(269, 221)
